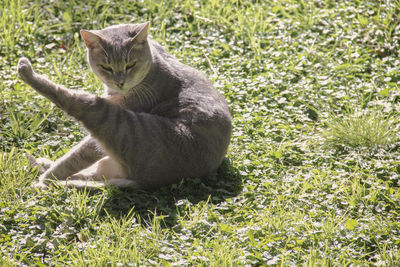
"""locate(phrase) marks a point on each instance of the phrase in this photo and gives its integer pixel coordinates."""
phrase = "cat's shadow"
(166, 202)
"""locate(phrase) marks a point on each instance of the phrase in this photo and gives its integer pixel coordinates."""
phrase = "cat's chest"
(129, 102)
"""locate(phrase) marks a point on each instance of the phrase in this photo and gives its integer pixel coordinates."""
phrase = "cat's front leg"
(25, 70)
(71, 101)
(40, 83)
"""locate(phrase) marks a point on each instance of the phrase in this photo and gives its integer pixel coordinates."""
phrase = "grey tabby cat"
(159, 120)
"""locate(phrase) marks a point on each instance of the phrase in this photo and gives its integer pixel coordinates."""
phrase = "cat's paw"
(43, 181)
(25, 69)
(42, 164)
(39, 185)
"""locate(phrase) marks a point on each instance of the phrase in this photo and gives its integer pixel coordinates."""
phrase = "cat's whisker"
(124, 54)
(138, 94)
(104, 50)
(129, 53)
(145, 93)
(143, 96)
(151, 96)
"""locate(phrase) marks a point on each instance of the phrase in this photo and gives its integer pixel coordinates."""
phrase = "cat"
(159, 120)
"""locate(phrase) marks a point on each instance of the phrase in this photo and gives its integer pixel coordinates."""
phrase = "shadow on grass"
(227, 183)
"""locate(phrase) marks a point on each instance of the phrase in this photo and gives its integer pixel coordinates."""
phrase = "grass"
(368, 128)
(307, 181)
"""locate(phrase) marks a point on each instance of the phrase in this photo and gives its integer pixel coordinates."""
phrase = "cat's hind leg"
(78, 158)
(105, 168)
(105, 171)
(87, 184)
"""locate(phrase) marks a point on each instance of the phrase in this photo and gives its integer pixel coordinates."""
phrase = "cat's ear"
(141, 37)
(138, 40)
(92, 40)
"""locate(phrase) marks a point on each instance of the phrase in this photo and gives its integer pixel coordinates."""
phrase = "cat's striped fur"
(158, 122)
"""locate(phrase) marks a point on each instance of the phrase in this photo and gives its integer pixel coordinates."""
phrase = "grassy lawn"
(312, 173)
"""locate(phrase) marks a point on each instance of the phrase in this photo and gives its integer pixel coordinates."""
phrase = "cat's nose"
(119, 79)
(120, 84)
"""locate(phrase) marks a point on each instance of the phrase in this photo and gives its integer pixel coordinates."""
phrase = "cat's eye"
(130, 65)
(106, 68)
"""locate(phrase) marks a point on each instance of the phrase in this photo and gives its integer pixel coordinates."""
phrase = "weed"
(366, 128)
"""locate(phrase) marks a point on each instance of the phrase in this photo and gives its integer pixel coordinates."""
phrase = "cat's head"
(119, 55)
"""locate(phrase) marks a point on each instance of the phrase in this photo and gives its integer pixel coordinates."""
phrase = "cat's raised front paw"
(25, 69)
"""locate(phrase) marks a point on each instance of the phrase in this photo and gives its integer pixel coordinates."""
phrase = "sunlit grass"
(364, 128)
(289, 71)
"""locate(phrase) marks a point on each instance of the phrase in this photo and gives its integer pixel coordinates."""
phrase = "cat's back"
(193, 89)
(186, 75)
(199, 105)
